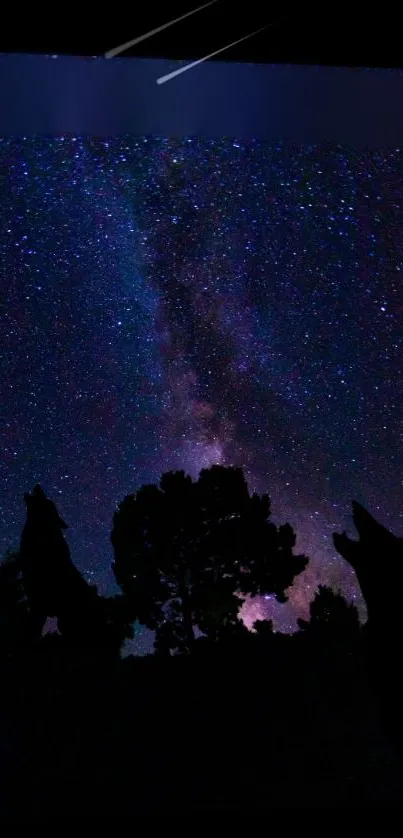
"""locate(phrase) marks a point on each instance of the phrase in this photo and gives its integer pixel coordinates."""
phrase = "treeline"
(186, 553)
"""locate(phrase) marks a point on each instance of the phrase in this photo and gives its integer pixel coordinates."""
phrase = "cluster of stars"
(174, 303)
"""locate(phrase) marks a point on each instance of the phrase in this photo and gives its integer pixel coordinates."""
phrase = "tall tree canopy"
(185, 550)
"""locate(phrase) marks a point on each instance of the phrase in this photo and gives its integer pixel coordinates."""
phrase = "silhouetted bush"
(334, 623)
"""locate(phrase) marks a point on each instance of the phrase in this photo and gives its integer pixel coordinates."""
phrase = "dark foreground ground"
(243, 731)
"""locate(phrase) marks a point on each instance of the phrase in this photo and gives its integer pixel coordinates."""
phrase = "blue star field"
(177, 303)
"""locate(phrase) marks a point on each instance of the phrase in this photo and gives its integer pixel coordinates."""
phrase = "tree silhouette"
(55, 588)
(184, 550)
(377, 559)
(333, 621)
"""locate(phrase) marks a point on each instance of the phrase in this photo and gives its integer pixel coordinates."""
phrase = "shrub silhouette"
(185, 550)
(333, 621)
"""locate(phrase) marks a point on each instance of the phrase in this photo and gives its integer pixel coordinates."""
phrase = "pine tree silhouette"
(55, 588)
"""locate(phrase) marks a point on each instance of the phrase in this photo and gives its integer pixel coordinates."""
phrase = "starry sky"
(174, 303)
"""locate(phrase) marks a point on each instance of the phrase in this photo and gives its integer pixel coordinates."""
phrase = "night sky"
(177, 303)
